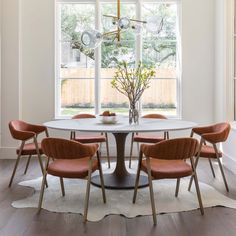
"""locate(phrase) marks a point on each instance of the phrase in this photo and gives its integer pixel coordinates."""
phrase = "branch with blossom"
(132, 82)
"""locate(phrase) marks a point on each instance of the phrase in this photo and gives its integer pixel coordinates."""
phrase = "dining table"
(120, 178)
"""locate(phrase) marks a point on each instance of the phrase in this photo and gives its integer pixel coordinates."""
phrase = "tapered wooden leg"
(131, 149)
(212, 169)
(197, 186)
(108, 154)
(101, 178)
(221, 168)
(42, 191)
(27, 164)
(137, 177)
(177, 187)
(16, 164)
(87, 191)
(196, 162)
(39, 157)
(151, 192)
(62, 186)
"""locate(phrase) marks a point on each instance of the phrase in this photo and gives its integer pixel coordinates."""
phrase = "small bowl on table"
(109, 119)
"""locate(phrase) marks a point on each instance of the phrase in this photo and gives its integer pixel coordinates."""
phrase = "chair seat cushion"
(30, 149)
(167, 169)
(71, 168)
(90, 139)
(147, 138)
(209, 152)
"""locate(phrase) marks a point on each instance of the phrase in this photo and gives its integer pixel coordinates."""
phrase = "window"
(83, 82)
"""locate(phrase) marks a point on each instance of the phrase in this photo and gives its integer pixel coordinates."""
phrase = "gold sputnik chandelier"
(93, 38)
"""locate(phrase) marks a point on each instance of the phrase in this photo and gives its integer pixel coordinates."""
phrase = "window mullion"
(138, 44)
(97, 79)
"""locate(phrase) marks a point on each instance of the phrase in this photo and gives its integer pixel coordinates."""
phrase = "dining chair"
(71, 159)
(25, 132)
(210, 137)
(102, 138)
(145, 138)
(167, 160)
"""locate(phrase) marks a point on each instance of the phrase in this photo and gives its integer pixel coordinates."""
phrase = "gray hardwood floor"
(217, 221)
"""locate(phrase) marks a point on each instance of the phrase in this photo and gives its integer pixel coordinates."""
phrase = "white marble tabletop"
(122, 125)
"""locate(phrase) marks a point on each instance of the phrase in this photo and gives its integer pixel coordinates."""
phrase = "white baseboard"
(8, 153)
(229, 162)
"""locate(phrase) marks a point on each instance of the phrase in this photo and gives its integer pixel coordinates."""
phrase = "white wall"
(28, 63)
(198, 59)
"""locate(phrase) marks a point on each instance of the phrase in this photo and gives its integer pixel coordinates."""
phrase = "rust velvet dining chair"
(71, 159)
(101, 138)
(27, 134)
(167, 160)
(210, 136)
(144, 138)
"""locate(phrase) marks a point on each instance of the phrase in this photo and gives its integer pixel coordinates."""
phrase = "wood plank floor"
(217, 221)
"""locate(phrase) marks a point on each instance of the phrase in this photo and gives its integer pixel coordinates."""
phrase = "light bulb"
(154, 24)
(91, 38)
(124, 23)
(137, 28)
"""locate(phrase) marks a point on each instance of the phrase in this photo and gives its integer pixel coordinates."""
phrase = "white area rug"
(120, 201)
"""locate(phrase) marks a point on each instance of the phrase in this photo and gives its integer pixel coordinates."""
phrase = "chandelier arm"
(111, 16)
(110, 33)
(141, 21)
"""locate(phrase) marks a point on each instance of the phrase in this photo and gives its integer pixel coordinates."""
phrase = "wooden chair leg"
(27, 164)
(196, 162)
(87, 191)
(137, 178)
(42, 191)
(212, 169)
(194, 175)
(198, 193)
(131, 149)
(14, 170)
(62, 186)
(101, 178)
(108, 154)
(151, 192)
(16, 164)
(39, 157)
(221, 168)
(177, 187)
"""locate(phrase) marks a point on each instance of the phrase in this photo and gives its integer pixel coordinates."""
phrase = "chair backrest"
(154, 116)
(20, 130)
(83, 116)
(58, 148)
(172, 149)
(220, 132)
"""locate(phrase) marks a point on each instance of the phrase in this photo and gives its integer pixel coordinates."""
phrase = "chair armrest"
(203, 130)
(23, 135)
(37, 128)
(215, 137)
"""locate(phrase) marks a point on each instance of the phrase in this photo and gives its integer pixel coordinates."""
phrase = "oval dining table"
(120, 178)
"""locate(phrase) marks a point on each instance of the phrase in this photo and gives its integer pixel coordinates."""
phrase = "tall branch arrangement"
(132, 81)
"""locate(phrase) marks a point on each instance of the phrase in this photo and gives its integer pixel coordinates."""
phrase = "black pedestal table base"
(120, 178)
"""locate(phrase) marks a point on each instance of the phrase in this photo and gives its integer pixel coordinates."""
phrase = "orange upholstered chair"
(166, 160)
(71, 159)
(25, 132)
(144, 138)
(91, 139)
(210, 136)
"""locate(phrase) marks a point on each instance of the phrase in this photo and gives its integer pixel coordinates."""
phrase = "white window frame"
(138, 53)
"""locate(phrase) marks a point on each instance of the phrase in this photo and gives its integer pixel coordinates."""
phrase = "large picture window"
(83, 82)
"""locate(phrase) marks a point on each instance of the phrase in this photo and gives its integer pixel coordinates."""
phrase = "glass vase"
(133, 114)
